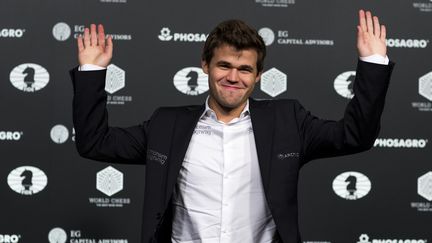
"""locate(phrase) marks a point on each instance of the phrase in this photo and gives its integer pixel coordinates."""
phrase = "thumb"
(109, 46)
(359, 34)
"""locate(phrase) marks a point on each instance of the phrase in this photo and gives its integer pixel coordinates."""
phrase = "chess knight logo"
(191, 81)
(29, 77)
(27, 180)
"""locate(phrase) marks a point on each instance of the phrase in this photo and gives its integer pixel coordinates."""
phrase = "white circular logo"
(59, 134)
(61, 31)
(351, 185)
(29, 77)
(267, 35)
(27, 180)
(344, 84)
(191, 81)
(57, 235)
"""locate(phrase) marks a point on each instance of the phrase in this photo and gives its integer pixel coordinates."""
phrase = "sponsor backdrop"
(50, 194)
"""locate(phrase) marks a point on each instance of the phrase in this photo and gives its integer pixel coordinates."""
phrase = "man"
(227, 171)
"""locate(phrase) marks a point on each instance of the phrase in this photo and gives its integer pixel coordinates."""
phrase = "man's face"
(232, 75)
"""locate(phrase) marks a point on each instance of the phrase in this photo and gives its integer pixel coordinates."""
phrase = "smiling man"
(227, 171)
(232, 77)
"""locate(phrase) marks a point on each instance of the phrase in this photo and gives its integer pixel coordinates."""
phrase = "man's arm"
(360, 125)
(94, 138)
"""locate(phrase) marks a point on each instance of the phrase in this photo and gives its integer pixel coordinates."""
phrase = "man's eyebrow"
(241, 67)
(224, 63)
(246, 67)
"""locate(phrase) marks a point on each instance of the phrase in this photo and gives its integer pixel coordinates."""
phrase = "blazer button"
(158, 216)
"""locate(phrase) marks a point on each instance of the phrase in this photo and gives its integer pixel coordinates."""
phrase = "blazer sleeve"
(360, 125)
(93, 137)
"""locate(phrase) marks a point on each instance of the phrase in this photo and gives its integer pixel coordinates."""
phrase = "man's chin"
(231, 104)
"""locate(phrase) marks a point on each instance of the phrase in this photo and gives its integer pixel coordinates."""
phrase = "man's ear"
(258, 77)
(204, 66)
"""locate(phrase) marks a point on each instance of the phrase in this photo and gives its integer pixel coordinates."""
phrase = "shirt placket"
(226, 210)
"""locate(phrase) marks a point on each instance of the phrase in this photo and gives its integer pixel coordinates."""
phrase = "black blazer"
(286, 135)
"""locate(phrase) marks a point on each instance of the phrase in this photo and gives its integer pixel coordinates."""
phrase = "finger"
(86, 37)
(80, 43)
(362, 20)
(109, 46)
(93, 35)
(369, 22)
(359, 33)
(383, 33)
(101, 36)
(377, 29)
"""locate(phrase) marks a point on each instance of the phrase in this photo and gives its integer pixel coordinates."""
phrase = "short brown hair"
(238, 34)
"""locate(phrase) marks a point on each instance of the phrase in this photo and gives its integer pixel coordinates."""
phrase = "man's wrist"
(376, 58)
(90, 67)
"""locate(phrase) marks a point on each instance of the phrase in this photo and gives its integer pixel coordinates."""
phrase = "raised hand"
(371, 36)
(93, 48)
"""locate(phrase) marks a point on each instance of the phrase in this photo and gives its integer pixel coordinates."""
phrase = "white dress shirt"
(219, 195)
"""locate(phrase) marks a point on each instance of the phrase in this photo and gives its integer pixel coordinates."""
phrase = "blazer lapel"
(262, 116)
(185, 124)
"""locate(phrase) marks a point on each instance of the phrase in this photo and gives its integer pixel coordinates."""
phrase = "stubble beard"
(226, 101)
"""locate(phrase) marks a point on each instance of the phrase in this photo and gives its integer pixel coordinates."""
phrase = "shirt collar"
(208, 112)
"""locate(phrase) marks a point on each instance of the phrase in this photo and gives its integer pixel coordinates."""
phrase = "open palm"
(371, 36)
(94, 48)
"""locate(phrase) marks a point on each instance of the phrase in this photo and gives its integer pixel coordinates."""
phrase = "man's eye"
(245, 70)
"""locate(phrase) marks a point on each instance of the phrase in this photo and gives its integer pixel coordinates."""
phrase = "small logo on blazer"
(156, 156)
(282, 156)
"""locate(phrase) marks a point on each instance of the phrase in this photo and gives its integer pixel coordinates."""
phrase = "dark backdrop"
(74, 199)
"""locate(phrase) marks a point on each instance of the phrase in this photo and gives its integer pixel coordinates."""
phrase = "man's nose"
(233, 75)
